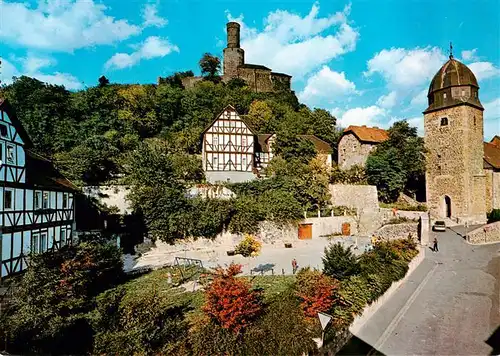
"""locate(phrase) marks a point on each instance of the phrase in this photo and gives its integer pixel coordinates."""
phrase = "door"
(305, 231)
(447, 202)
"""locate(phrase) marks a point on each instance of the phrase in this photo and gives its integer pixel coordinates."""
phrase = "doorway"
(447, 203)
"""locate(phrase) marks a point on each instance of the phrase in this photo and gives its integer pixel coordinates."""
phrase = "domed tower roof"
(453, 84)
(452, 73)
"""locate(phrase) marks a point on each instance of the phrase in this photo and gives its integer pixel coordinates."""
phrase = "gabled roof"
(367, 134)
(492, 154)
(495, 141)
(320, 145)
(228, 108)
(41, 172)
(5, 106)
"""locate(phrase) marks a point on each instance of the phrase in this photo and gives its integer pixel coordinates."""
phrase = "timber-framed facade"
(36, 201)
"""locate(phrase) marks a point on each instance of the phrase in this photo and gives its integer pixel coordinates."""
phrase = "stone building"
(356, 144)
(258, 77)
(492, 172)
(453, 123)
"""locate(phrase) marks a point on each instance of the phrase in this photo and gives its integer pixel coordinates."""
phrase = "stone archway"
(447, 206)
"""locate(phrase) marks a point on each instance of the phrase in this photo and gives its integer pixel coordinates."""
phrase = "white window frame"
(37, 203)
(215, 140)
(35, 242)
(244, 162)
(10, 154)
(11, 199)
(45, 200)
(43, 241)
(215, 162)
(244, 141)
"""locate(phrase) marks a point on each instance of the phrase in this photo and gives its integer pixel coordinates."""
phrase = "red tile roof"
(495, 141)
(492, 154)
(367, 134)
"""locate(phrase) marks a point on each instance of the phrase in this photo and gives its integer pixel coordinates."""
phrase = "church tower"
(234, 56)
(453, 122)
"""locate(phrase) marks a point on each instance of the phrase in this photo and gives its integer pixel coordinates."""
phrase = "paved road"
(449, 306)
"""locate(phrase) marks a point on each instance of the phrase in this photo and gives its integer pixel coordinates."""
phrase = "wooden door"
(305, 231)
(346, 229)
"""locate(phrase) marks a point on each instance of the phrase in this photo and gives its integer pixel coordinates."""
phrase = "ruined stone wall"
(485, 234)
(397, 231)
(454, 163)
(352, 152)
(190, 82)
(361, 197)
(257, 79)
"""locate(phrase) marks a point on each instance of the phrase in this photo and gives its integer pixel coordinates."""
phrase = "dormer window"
(444, 95)
(3, 130)
(444, 121)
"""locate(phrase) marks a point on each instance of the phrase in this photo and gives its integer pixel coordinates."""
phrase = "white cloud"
(406, 68)
(484, 70)
(151, 18)
(62, 25)
(470, 55)
(152, 47)
(417, 122)
(297, 45)
(31, 68)
(326, 86)
(369, 116)
(491, 119)
(388, 101)
(420, 100)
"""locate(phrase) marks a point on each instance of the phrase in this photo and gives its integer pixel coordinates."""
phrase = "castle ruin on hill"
(258, 77)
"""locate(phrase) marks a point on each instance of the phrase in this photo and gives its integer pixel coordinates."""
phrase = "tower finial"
(451, 50)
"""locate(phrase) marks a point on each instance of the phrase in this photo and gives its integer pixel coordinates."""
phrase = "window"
(38, 200)
(65, 200)
(3, 130)
(10, 154)
(444, 121)
(45, 200)
(474, 121)
(214, 162)
(7, 199)
(244, 162)
(243, 140)
(43, 242)
(444, 96)
(215, 140)
(475, 94)
(63, 237)
(35, 243)
(463, 92)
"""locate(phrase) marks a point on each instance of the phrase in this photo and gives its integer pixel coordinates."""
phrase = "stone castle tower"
(234, 56)
(453, 122)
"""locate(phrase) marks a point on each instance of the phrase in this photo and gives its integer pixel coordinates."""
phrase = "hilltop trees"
(210, 66)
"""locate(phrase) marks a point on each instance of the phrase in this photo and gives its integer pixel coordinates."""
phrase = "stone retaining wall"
(485, 234)
(397, 231)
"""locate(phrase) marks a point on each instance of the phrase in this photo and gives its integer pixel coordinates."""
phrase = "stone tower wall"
(455, 163)
(234, 56)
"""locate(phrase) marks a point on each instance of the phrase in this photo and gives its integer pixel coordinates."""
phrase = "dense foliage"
(339, 262)
(494, 216)
(48, 311)
(398, 164)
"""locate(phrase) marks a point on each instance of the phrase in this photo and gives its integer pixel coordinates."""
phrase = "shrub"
(249, 246)
(339, 262)
(494, 216)
(49, 307)
(316, 291)
(230, 302)
(143, 325)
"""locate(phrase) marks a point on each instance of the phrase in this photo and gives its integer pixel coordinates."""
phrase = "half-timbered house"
(233, 152)
(36, 201)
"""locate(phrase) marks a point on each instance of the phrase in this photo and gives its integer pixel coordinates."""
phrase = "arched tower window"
(444, 121)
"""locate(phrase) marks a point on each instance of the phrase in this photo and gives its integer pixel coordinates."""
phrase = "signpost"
(324, 320)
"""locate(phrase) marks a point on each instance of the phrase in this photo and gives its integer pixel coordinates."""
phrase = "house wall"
(352, 152)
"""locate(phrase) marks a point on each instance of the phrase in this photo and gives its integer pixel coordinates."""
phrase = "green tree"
(385, 170)
(339, 262)
(103, 81)
(259, 115)
(210, 66)
(293, 148)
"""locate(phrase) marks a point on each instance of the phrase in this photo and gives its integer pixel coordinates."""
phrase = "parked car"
(439, 226)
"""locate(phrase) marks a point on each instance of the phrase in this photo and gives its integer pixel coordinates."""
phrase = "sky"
(367, 62)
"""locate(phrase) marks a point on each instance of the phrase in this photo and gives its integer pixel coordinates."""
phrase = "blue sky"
(368, 62)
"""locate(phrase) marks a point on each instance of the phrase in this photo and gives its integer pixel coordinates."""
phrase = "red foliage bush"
(317, 292)
(230, 302)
